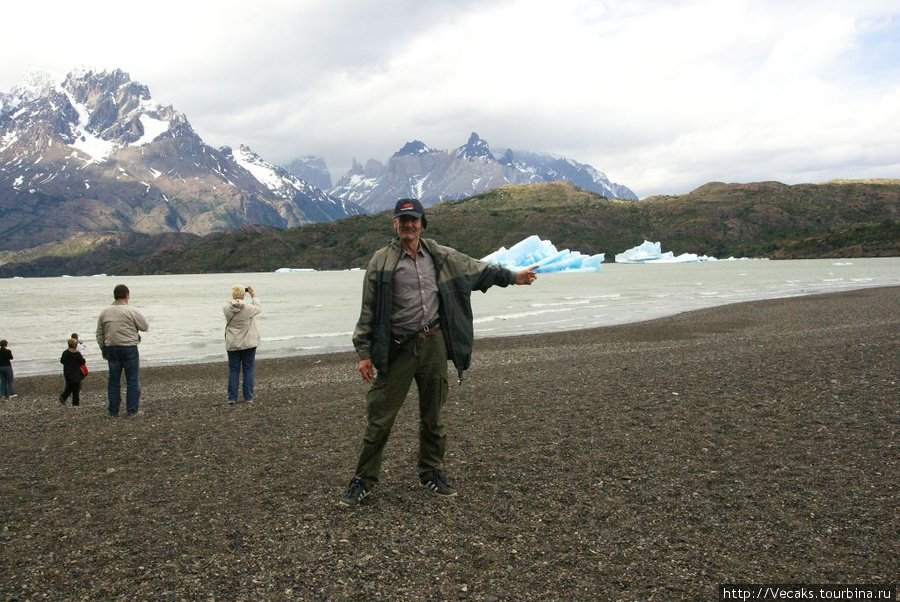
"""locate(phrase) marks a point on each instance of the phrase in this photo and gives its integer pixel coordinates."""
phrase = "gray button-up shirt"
(415, 303)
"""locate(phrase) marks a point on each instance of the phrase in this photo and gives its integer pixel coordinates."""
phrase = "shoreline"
(478, 339)
(753, 442)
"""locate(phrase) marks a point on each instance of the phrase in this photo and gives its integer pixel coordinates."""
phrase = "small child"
(72, 361)
(80, 346)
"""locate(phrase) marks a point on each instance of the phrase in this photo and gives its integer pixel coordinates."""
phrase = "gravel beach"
(749, 443)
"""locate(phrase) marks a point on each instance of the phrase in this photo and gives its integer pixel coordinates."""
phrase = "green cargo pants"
(422, 358)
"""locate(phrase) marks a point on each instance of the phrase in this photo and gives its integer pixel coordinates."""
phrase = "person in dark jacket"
(7, 378)
(416, 314)
(72, 361)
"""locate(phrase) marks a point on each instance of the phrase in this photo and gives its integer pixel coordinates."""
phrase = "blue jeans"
(6, 381)
(242, 359)
(127, 359)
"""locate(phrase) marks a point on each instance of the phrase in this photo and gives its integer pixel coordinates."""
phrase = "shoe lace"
(438, 477)
(356, 488)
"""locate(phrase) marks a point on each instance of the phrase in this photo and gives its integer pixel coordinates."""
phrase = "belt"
(431, 329)
(428, 331)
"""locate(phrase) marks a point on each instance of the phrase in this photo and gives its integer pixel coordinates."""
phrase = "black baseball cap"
(409, 207)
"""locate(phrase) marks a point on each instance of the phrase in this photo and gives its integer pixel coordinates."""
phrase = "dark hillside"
(767, 219)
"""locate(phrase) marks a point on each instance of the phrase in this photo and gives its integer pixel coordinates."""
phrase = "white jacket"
(240, 329)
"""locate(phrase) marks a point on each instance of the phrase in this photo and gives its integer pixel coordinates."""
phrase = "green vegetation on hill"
(767, 219)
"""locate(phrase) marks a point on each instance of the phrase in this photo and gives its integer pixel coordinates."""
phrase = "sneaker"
(232, 401)
(11, 396)
(355, 493)
(62, 399)
(439, 485)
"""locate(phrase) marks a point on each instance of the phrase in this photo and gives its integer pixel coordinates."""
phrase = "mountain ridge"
(770, 220)
(433, 175)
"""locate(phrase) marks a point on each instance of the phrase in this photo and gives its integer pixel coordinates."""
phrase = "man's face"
(408, 228)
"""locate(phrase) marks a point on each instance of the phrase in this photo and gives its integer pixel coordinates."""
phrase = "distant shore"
(746, 443)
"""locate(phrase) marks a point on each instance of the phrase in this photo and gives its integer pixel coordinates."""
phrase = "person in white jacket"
(241, 339)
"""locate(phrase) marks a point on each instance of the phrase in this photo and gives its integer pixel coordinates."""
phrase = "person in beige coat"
(241, 339)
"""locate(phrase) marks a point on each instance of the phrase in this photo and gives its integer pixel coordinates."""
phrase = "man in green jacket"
(416, 314)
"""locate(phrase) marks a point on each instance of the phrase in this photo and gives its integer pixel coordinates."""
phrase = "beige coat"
(120, 325)
(240, 329)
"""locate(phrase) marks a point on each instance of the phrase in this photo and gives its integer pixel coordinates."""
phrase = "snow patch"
(93, 146)
(265, 175)
(152, 128)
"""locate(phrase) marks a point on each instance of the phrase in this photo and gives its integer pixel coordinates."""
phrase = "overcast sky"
(661, 95)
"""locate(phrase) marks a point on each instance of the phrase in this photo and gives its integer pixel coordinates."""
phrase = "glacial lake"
(315, 312)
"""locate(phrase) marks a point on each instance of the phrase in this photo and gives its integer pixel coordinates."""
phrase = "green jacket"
(457, 276)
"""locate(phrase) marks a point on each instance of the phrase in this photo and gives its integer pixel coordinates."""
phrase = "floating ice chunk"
(528, 251)
(651, 252)
(533, 251)
(293, 270)
(644, 252)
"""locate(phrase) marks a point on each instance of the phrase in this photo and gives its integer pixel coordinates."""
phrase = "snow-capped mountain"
(534, 167)
(94, 153)
(431, 175)
(476, 149)
(315, 204)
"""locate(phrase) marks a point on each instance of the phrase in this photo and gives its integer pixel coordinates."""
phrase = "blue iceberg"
(651, 252)
(533, 251)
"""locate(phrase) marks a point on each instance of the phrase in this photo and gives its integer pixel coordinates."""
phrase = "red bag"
(84, 369)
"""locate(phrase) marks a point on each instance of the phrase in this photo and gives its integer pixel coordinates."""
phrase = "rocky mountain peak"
(313, 170)
(476, 148)
(35, 84)
(508, 158)
(116, 107)
(414, 148)
(86, 85)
